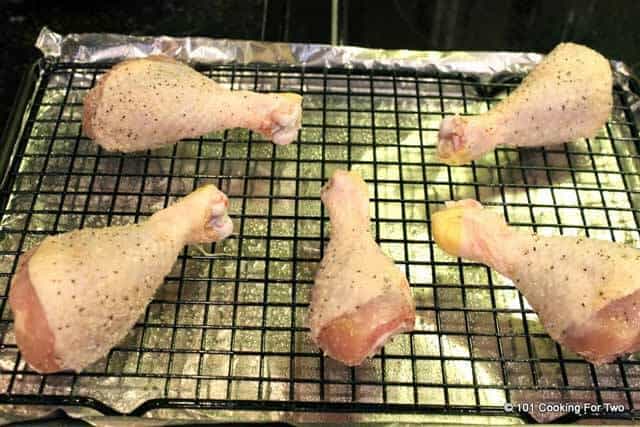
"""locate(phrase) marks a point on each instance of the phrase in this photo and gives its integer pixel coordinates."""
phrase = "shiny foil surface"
(229, 323)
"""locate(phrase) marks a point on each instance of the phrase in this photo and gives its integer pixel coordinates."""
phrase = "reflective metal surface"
(229, 323)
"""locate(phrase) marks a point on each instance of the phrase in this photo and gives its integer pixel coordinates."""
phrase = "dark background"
(609, 26)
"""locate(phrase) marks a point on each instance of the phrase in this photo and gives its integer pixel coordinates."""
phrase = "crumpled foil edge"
(108, 48)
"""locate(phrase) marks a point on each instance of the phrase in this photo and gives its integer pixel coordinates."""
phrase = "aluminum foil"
(208, 357)
(100, 48)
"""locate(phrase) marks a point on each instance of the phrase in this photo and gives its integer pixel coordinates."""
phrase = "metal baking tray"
(227, 330)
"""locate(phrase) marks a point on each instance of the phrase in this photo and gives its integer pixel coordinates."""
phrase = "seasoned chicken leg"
(77, 294)
(586, 291)
(566, 96)
(146, 103)
(360, 298)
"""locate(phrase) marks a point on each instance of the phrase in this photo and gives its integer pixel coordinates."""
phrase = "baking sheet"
(383, 127)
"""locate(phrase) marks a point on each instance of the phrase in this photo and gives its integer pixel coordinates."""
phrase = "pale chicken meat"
(585, 291)
(568, 95)
(146, 103)
(77, 294)
(360, 298)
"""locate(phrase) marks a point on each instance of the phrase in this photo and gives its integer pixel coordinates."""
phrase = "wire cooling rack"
(227, 329)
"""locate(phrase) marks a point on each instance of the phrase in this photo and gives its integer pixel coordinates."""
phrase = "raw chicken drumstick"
(77, 294)
(586, 291)
(146, 103)
(566, 96)
(360, 298)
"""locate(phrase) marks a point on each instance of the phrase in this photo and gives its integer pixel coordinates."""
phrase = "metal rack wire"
(228, 331)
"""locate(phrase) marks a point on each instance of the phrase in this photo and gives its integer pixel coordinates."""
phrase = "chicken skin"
(146, 103)
(566, 96)
(586, 291)
(77, 294)
(360, 298)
